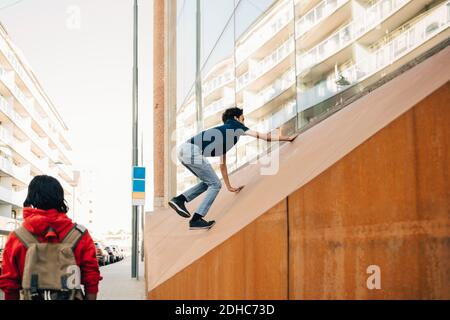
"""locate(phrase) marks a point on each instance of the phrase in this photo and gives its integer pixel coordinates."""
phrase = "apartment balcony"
(424, 32)
(304, 6)
(217, 106)
(20, 174)
(23, 76)
(337, 48)
(7, 109)
(286, 113)
(40, 143)
(9, 88)
(8, 224)
(387, 15)
(269, 68)
(225, 79)
(55, 143)
(272, 96)
(21, 97)
(24, 150)
(267, 37)
(18, 197)
(321, 20)
(24, 125)
(219, 91)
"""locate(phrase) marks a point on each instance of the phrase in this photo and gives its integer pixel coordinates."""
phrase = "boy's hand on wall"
(235, 190)
(292, 138)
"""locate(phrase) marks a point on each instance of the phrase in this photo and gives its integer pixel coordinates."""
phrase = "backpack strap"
(74, 236)
(25, 236)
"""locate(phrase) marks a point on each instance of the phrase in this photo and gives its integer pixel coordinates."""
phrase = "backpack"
(51, 271)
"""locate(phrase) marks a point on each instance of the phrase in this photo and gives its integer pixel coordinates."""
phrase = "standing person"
(49, 256)
(214, 142)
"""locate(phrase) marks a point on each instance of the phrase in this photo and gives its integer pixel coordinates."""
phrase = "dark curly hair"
(230, 113)
(45, 192)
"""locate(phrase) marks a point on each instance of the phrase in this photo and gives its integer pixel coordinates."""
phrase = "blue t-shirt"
(217, 141)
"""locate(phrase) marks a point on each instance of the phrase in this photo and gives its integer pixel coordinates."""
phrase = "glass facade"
(287, 62)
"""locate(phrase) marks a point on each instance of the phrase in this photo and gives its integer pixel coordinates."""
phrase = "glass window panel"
(186, 128)
(218, 84)
(186, 49)
(215, 15)
(265, 83)
(284, 83)
(328, 74)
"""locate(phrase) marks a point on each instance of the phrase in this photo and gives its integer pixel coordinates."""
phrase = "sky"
(81, 52)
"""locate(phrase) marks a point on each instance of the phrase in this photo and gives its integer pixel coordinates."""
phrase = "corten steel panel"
(386, 203)
(171, 246)
(250, 265)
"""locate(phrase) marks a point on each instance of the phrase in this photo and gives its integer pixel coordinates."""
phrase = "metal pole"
(198, 77)
(135, 221)
(142, 211)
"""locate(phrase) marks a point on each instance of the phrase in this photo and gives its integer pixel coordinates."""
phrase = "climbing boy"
(214, 142)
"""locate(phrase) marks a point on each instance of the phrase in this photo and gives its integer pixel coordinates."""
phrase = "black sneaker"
(178, 205)
(201, 224)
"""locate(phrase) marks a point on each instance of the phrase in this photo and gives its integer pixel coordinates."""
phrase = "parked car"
(119, 252)
(112, 255)
(102, 254)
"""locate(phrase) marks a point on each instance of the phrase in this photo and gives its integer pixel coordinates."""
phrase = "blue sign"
(138, 193)
(138, 185)
(139, 173)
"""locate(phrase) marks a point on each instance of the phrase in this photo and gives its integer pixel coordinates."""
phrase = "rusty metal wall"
(386, 204)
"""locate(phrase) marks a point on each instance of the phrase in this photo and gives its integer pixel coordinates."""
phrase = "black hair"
(230, 113)
(45, 193)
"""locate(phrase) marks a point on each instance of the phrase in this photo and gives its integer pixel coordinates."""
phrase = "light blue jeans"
(191, 157)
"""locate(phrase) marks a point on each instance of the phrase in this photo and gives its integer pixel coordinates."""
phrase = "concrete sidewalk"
(117, 283)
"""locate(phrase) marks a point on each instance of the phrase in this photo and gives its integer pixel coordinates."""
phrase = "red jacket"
(38, 222)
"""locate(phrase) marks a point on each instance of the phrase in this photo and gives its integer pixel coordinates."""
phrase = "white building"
(33, 136)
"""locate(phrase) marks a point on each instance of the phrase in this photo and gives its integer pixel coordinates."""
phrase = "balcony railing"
(287, 112)
(218, 82)
(23, 99)
(404, 42)
(26, 102)
(217, 106)
(19, 69)
(349, 33)
(20, 173)
(317, 14)
(266, 33)
(7, 109)
(267, 63)
(270, 92)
